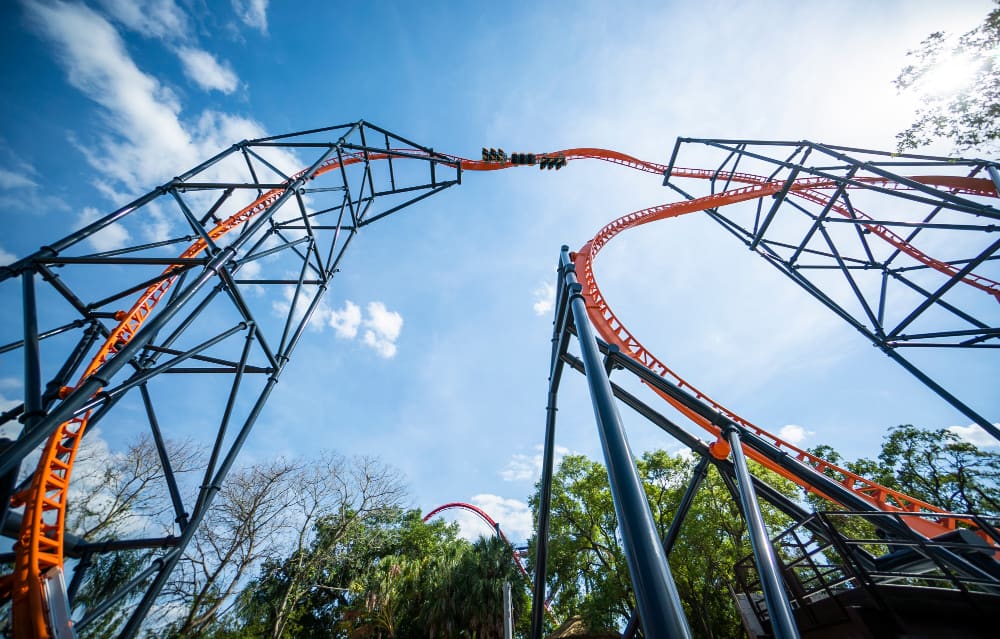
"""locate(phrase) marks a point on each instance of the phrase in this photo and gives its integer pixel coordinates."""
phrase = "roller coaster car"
(552, 162)
(494, 155)
(962, 542)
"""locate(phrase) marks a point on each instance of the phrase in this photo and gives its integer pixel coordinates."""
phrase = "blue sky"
(105, 100)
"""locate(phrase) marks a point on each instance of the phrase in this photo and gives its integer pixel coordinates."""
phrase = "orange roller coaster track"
(40, 543)
(614, 332)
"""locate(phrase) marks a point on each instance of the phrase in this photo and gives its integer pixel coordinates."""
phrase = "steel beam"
(778, 606)
(658, 600)
(560, 342)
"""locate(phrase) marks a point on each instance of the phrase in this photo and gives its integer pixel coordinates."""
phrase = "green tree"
(387, 574)
(478, 586)
(457, 592)
(936, 466)
(354, 583)
(116, 495)
(107, 573)
(240, 531)
(587, 574)
(344, 503)
(967, 115)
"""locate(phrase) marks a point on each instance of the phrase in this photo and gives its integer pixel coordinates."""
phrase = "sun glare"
(951, 74)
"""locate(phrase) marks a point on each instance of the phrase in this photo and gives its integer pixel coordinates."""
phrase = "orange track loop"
(614, 332)
(40, 542)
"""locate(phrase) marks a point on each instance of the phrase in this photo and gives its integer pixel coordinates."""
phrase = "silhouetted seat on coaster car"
(962, 542)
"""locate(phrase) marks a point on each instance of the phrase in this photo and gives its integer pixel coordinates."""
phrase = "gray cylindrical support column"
(560, 341)
(782, 619)
(699, 474)
(659, 602)
(995, 176)
(508, 612)
(544, 506)
(32, 356)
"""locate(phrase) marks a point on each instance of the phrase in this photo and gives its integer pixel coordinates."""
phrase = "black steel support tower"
(895, 295)
(891, 293)
(276, 213)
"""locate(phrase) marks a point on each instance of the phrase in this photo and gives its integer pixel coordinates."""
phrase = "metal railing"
(834, 552)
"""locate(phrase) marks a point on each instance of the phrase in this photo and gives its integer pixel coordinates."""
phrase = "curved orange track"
(40, 542)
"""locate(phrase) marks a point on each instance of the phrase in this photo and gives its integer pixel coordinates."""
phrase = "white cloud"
(253, 13)
(15, 180)
(545, 299)
(113, 236)
(150, 141)
(156, 224)
(250, 270)
(7, 404)
(158, 18)
(6, 257)
(207, 72)
(12, 428)
(522, 467)
(346, 321)
(383, 328)
(140, 140)
(320, 316)
(975, 435)
(21, 191)
(794, 434)
(513, 515)
(685, 453)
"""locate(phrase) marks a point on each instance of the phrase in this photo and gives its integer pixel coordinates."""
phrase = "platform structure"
(108, 334)
(847, 225)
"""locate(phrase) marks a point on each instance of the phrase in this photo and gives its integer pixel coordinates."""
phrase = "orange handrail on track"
(40, 541)
(614, 332)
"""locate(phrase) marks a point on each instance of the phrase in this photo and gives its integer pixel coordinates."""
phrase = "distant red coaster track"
(458, 505)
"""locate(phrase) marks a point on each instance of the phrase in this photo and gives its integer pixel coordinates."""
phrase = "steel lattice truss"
(127, 329)
(864, 250)
(259, 240)
(917, 268)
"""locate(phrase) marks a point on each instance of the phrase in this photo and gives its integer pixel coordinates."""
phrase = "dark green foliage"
(366, 568)
(104, 577)
(587, 574)
(970, 116)
(936, 466)
(386, 575)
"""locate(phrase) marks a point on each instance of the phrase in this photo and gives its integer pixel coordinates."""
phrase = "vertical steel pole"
(700, 471)
(33, 407)
(778, 606)
(995, 176)
(659, 602)
(32, 354)
(559, 343)
(508, 612)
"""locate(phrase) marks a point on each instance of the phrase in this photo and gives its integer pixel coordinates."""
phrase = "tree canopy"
(327, 548)
(936, 466)
(587, 574)
(958, 82)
